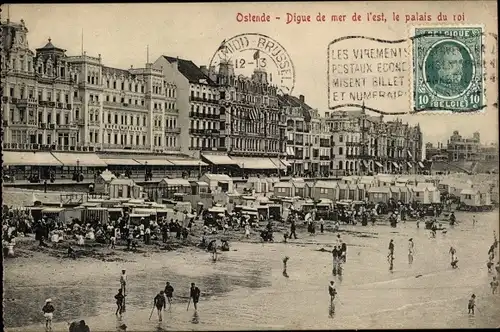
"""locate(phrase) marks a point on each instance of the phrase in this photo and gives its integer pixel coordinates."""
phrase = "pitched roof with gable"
(190, 70)
(218, 177)
(469, 192)
(325, 184)
(293, 101)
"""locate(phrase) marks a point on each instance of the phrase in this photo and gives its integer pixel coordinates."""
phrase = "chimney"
(327, 114)
(302, 98)
(204, 70)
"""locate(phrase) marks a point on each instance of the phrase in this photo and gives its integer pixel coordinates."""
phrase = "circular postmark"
(250, 52)
(449, 68)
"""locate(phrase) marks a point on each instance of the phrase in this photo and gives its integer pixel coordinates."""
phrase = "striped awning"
(79, 159)
(25, 158)
(154, 162)
(421, 164)
(187, 162)
(290, 151)
(365, 163)
(378, 164)
(395, 164)
(120, 162)
(277, 163)
(409, 164)
(255, 163)
(217, 159)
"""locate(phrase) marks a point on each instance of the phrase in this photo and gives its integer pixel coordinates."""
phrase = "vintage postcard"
(250, 166)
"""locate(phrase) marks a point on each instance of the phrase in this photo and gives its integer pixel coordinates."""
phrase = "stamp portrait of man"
(448, 64)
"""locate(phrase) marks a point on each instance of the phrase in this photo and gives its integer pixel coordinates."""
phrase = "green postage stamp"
(448, 69)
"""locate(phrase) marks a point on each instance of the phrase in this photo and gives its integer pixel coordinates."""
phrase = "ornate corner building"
(56, 102)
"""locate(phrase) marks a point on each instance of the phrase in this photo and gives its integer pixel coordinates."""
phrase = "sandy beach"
(245, 287)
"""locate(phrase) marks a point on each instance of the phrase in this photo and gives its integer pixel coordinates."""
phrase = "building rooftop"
(49, 46)
(190, 70)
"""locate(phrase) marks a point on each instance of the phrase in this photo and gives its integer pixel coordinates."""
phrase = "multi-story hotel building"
(308, 138)
(72, 103)
(363, 144)
(53, 103)
(197, 97)
(252, 125)
(464, 148)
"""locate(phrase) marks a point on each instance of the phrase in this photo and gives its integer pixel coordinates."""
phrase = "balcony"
(42, 125)
(25, 102)
(173, 130)
(299, 143)
(290, 142)
(203, 100)
(60, 106)
(94, 103)
(52, 126)
(108, 146)
(67, 126)
(324, 158)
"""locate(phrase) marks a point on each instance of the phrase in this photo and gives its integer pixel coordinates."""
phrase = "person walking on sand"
(452, 252)
(123, 282)
(411, 250)
(472, 304)
(169, 293)
(194, 293)
(285, 260)
(322, 225)
(48, 312)
(159, 303)
(119, 302)
(333, 293)
(474, 221)
(390, 256)
(293, 228)
(494, 285)
(247, 231)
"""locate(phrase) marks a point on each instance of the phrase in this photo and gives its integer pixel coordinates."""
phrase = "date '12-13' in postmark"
(249, 53)
(448, 69)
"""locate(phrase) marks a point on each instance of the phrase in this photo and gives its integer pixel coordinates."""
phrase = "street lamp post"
(77, 170)
(145, 171)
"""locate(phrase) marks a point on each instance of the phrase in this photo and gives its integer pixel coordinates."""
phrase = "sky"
(121, 33)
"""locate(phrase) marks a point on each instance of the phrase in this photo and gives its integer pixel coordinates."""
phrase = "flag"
(256, 55)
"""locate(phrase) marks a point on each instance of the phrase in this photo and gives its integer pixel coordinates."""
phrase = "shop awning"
(277, 163)
(255, 163)
(290, 151)
(395, 164)
(286, 163)
(25, 158)
(187, 162)
(421, 164)
(378, 164)
(409, 164)
(219, 159)
(121, 162)
(154, 162)
(365, 163)
(79, 159)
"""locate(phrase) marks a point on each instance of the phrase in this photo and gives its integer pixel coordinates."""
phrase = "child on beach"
(472, 304)
(48, 313)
